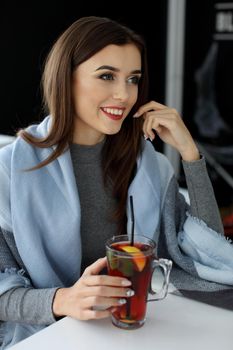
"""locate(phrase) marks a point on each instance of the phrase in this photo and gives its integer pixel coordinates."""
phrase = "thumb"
(96, 267)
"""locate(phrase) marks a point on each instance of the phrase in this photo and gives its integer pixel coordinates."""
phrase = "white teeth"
(113, 111)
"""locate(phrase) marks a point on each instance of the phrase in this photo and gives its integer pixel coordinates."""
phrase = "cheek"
(134, 97)
(85, 98)
(93, 96)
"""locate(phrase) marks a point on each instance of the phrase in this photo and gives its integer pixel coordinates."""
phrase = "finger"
(170, 112)
(106, 291)
(152, 105)
(165, 113)
(165, 121)
(154, 119)
(147, 129)
(96, 314)
(151, 123)
(105, 280)
(102, 303)
(96, 267)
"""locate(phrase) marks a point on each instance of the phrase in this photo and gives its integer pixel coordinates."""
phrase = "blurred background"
(190, 50)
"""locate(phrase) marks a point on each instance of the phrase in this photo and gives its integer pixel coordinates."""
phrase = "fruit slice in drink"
(137, 255)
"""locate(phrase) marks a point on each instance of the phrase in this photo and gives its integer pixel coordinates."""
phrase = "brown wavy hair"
(78, 43)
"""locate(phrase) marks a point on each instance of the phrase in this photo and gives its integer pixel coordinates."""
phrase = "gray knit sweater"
(34, 306)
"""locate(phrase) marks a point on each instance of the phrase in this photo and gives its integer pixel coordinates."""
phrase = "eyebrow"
(114, 69)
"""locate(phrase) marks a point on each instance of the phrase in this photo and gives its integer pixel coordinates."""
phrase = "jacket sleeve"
(201, 194)
(19, 301)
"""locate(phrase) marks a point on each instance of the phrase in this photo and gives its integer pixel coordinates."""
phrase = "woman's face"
(105, 88)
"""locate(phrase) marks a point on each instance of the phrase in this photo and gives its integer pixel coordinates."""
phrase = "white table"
(175, 323)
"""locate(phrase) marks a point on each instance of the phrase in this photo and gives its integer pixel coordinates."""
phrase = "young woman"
(65, 184)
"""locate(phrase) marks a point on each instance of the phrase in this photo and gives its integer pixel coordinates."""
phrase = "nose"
(121, 91)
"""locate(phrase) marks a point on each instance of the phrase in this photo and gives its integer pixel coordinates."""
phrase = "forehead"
(125, 57)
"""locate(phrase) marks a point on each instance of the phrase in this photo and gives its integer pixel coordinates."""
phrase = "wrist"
(58, 302)
(191, 155)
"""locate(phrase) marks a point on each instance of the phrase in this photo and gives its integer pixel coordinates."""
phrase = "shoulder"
(14, 158)
(5, 158)
(41, 129)
(5, 180)
(20, 154)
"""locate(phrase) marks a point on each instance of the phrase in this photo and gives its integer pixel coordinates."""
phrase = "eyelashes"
(106, 76)
(134, 80)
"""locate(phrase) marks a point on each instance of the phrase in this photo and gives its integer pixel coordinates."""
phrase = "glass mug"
(137, 263)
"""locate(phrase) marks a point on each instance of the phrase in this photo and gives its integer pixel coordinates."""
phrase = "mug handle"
(166, 265)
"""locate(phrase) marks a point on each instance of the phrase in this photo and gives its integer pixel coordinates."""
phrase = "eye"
(106, 76)
(134, 80)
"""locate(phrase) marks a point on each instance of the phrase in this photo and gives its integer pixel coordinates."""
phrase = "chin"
(112, 131)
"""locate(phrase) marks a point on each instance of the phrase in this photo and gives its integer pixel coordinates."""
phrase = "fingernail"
(122, 301)
(151, 139)
(126, 283)
(145, 137)
(130, 293)
(135, 115)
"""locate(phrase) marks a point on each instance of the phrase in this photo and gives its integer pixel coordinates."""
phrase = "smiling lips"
(113, 112)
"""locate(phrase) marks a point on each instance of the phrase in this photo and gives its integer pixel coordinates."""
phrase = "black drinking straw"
(128, 304)
(132, 219)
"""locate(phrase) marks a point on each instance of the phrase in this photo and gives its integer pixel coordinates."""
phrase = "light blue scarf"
(42, 209)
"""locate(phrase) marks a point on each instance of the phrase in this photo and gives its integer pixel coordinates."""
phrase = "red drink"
(137, 263)
(134, 263)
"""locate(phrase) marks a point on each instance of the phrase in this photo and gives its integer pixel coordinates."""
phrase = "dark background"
(36, 25)
(199, 36)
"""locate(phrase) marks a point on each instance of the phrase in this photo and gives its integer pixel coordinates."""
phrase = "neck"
(87, 141)
(86, 136)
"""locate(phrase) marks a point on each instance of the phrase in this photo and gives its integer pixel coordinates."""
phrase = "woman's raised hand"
(169, 126)
(93, 296)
